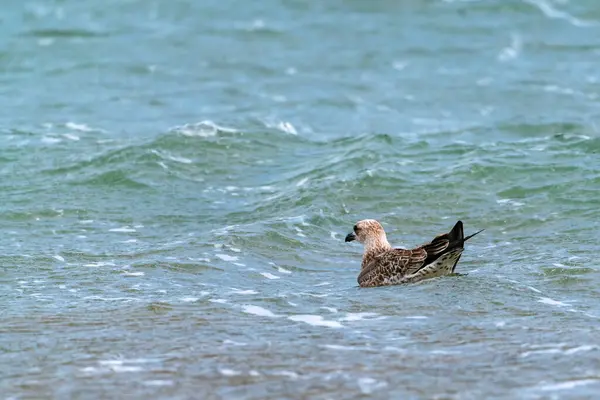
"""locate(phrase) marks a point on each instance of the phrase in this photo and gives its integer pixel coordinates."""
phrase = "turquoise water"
(177, 179)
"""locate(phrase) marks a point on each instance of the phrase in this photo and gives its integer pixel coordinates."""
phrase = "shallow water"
(178, 179)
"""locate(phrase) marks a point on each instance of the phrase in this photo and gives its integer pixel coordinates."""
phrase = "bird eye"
(355, 228)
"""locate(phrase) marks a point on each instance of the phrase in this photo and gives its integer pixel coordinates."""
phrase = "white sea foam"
(369, 385)
(125, 229)
(551, 12)
(288, 374)
(203, 129)
(136, 273)
(226, 257)
(256, 310)
(158, 382)
(229, 372)
(59, 258)
(510, 202)
(100, 264)
(126, 368)
(283, 270)
(549, 301)
(339, 347)
(358, 316)
(78, 127)
(70, 136)
(302, 182)
(513, 50)
(330, 309)
(568, 385)
(233, 343)
(50, 140)
(243, 292)
(315, 320)
(269, 275)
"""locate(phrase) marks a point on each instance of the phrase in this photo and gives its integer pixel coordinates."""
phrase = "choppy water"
(177, 179)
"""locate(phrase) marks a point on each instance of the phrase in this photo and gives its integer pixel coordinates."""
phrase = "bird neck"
(377, 244)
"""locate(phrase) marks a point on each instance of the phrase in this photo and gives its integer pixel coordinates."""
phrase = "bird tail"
(457, 236)
(457, 240)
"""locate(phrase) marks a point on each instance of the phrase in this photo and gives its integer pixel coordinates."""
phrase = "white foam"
(100, 264)
(229, 372)
(330, 309)
(50, 140)
(110, 363)
(283, 270)
(568, 385)
(43, 42)
(269, 275)
(357, 316)
(189, 299)
(547, 300)
(546, 351)
(202, 129)
(226, 257)
(549, 11)
(242, 292)
(179, 159)
(510, 202)
(233, 343)
(219, 301)
(125, 229)
(580, 348)
(289, 374)
(59, 258)
(78, 127)
(315, 320)
(126, 368)
(369, 385)
(138, 273)
(513, 50)
(127, 299)
(287, 127)
(70, 136)
(417, 317)
(302, 181)
(339, 347)
(256, 310)
(534, 289)
(158, 382)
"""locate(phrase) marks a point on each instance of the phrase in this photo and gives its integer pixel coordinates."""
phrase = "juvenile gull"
(383, 265)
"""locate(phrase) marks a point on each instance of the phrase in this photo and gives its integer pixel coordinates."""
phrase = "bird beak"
(350, 237)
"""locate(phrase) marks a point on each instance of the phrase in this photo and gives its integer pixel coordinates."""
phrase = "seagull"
(383, 265)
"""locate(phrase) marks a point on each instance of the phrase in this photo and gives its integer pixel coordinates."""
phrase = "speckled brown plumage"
(383, 265)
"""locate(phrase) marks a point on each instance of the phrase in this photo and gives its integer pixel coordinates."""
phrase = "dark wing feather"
(391, 263)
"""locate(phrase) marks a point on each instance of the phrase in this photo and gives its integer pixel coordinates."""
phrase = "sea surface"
(177, 179)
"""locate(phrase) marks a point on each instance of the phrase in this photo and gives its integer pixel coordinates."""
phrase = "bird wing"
(394, 262)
